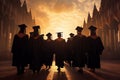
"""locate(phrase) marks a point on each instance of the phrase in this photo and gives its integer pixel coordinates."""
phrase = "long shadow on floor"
(28, 76)
(106, 74)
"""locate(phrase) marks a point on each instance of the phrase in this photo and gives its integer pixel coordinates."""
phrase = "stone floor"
(110, 70)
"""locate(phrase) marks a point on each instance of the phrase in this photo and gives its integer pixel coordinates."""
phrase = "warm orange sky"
(61, 15)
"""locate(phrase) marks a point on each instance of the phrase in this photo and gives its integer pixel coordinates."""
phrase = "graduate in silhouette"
(70, 49)
(48, 50)
(36, 50)
(19, 49)
(79, 46)
(60, 50)
(95, 49)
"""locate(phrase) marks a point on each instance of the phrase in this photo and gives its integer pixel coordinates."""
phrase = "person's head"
(22, 28)
(79, 29)
(71, 35)
(92, 30)
(59, 34)
(42, 36)
(36, 30)
(49, 35)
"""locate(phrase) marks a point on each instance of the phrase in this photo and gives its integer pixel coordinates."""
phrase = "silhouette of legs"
(58, 69)
(20, 70)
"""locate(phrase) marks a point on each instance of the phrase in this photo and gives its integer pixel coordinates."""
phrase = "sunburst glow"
(61, 15)
(62, 22)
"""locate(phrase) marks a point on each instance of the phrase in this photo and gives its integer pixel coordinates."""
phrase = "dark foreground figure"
(70, 49)
(48, 50)
(60, 51)
(79, 46)
(19, 49)
(95, 48)
(36, 50)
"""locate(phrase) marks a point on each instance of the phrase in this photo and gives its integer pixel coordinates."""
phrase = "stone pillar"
(119, 39)
(110, 39)
(119, 32)
(113, 40)
(104, 37)
(0, 28)
(107, 38)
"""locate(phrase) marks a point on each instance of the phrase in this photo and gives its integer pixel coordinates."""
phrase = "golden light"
(62, 22)
(60, 16)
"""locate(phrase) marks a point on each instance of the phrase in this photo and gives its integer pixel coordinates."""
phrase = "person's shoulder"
(15, 36)
(59, 39)
(56, 39)
(83, 36)
(75, 37)
(24, 36)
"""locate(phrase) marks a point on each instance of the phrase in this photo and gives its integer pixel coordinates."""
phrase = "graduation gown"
(48, 51)
(19, 50)
(95, 48)
(69, 49)
(36, 52)
(79, 49)
(60, 51)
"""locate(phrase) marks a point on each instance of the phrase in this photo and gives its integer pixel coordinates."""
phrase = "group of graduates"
(36, 51)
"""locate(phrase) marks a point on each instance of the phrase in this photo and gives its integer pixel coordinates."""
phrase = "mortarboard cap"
(78, 28)
(48, 34)
(59, 33)
(36, 27)
(71, 34)
(22, 26)
(92, 28)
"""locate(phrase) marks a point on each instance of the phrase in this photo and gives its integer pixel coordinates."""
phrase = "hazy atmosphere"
(92, 52)
(60, 15)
